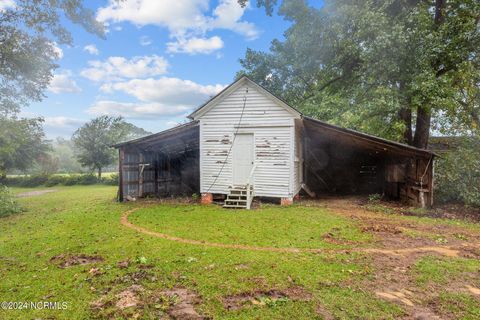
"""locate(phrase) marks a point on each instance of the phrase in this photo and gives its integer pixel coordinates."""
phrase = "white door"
(242, 158)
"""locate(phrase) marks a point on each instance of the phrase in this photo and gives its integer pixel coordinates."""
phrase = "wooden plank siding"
(274, 142)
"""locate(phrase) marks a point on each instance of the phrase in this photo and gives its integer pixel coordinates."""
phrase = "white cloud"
(171, 91)
(228, 15)
(62, 82)
(58, 52)
(145, 41)
(195, 45)
(164, 97)
(92, 49)
(61, 121)
(7, 4)
(176, 16)
(185, 19)
(118, 68)
(136, 110)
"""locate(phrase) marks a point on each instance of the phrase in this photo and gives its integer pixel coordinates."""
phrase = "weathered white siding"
(274, 140)
(298, 158)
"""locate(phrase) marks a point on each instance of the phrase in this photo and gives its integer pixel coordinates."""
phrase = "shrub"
(55, 180)
(87, 179)
(375, 197)
(71, 180)
(8, 205)
(33, 181)
(111, 180)
(457, 174)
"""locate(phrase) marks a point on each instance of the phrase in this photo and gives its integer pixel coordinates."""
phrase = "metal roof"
(159, 135)
(371, 138)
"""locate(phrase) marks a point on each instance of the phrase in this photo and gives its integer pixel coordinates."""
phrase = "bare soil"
(34, 193)
(65, 261)
(183, 304)
(399, 245)
(245, 299)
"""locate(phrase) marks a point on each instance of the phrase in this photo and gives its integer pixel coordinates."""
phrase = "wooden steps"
(239, 197)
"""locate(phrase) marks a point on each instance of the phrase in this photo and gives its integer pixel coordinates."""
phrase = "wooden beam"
(121, 154)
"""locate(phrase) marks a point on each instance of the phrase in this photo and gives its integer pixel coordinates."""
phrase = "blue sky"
(160, 59)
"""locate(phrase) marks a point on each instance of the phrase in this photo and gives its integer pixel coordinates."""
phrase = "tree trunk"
(99, 173)
(439, 14)
(405, 115)
(422, 128)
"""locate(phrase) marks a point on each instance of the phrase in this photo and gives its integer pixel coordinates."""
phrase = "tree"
(458, 174)
(22, 142)
(392, 67)
(93, 140)
(29, 30)
(63, 150)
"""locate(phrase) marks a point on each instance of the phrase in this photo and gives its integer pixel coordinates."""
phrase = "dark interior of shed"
(339, 163)
(162, 165)
(332, 167)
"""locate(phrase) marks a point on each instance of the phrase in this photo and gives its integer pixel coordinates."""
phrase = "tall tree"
(389, 67)
(93, 141)
(29, 30)
(22, 142)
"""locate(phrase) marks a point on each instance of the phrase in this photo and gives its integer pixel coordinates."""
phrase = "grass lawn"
(38, 250)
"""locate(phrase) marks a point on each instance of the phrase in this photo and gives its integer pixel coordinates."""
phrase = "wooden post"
(121, 154)
(140, 175)
(156, 165)
(432, 181)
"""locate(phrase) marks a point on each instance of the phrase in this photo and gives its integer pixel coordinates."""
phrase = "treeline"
(30, 181)
(25, 150)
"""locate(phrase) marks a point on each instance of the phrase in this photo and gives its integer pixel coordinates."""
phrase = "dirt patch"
(270, 297)
(34, 193)
(182, 304)
(475, 291)
(134, 277)
(123, 264)
(129, 297)
(65, 261)
(400, 296)
(381, 228)
(391, 281)
(469, 251)
(324, 313)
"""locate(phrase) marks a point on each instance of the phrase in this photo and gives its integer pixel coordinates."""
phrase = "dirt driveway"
(34, 193)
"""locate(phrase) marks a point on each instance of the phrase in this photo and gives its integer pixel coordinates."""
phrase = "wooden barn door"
(243, 158)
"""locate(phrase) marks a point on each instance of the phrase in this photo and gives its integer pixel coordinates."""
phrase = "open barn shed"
(162, 164)
(245, 142)
(340, 161)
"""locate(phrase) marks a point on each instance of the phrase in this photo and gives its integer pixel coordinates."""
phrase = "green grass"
(272, 226)
(85, 220)
(459, 305)
(436, 270)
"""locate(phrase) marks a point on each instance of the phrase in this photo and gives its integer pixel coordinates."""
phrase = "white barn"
(247, 136)
(245, 142)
